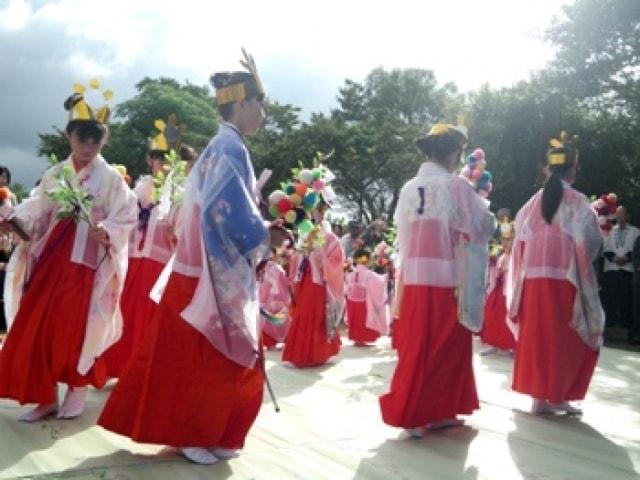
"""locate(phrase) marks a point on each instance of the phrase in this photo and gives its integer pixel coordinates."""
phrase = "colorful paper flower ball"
(305, 176)
(276, 196)
(301, 189)
(318, 185)
(305, 226)
(284, 205)
(300, 215)
(295, 199)
(310, 200)
(316, 173)
(273, 211)
(478, 154)
(290, 216)
(289, 189)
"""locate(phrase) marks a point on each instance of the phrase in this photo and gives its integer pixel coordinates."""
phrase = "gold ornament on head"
(237, 91)
(79, 109)
(560, 158)
(169, 134)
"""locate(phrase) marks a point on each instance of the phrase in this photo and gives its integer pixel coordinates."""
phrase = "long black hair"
(552, 192)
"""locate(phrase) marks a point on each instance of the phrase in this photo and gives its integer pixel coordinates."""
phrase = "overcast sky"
(303, 50)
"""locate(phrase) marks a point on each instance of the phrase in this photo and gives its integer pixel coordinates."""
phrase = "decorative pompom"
(273, 211)
(290, 216)
(316, 173)
(476, 174)
(295, 199)
(310, 200)
(478, 154)
(284, 205)
(276, 196)
(301, 189)
(305, 176)
(318, 185)
(305, 226)
(289, 189)
(300, 215)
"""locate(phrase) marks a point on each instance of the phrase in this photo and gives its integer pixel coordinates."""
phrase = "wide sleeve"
(231, 222)
(588, 241)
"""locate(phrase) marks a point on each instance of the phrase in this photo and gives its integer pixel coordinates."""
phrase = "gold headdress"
(558, 154)
(459, 130)
(169, 136)
(79, 109)
(238, 91)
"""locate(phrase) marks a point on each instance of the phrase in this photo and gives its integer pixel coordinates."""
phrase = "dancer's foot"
(38, 413)
(223, 453)
(541, 407)
(198, 455)
(417, 432)
(73, 404)
(446, 423)
(567, 408)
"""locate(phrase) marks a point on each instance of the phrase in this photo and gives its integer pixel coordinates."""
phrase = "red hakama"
(137, 310)
(433, 379)
(552, 362)
(178, 389)
(495, 331)
(44, 344)
(357, 323)
(307, 343)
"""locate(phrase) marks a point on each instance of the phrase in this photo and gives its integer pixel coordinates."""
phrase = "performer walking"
(443, 229)
(150, 247)
(552, 292)
(64, 284)
(196, 381)
(367, 310)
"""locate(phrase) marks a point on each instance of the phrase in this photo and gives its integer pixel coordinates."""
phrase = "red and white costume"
(63, 288)
(318, 304)
(367, 309)
(274, 300)
(553, 300)
(443, 230)
(150, 249)
(495, 331)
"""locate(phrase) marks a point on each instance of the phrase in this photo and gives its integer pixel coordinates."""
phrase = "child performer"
(150, 247)
(552, 293)
(275, 298)
(367, 312)
(318, 301)
(65, 283)
(495, 331)
(443, 230)
(196, 380)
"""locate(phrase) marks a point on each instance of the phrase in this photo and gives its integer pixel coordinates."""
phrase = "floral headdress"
(474, 172)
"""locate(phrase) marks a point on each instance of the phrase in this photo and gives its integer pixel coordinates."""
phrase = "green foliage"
(73, 202)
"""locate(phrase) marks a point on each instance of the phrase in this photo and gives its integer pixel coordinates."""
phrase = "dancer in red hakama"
(63, 285)
(196, 380)
(367, 310)
(552, 292)
(443, 230)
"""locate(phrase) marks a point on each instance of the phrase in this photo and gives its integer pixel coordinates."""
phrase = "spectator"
(351, 241)
(618, 271)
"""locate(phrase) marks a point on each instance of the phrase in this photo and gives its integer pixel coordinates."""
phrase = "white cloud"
(15, 16)
(304, 50)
